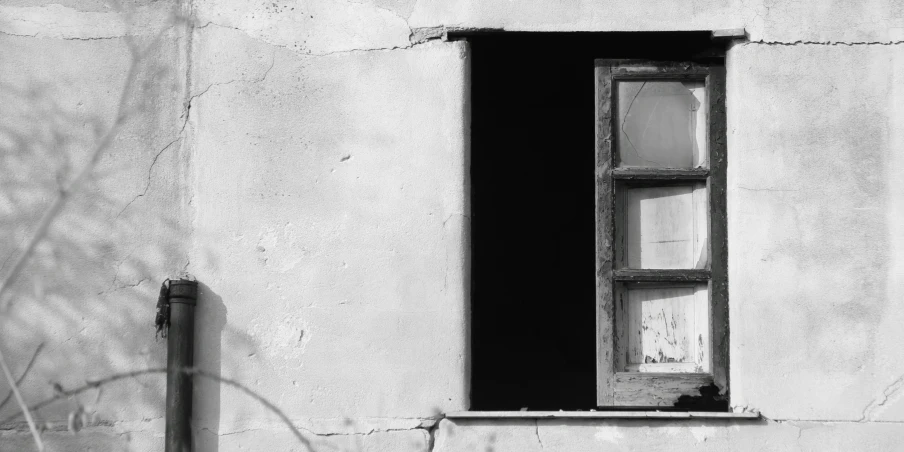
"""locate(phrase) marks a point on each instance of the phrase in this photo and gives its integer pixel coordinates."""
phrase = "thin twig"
(61, 394)
(24, 406)
(96, 384)
(266, 403)
(19, 380)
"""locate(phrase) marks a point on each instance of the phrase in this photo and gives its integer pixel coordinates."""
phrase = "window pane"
(661, 124)
(665, 227)
(667, 329)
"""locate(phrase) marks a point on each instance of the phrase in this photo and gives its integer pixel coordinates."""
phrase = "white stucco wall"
(340, 230)
(307, 162)
(814, 201)
(86, 294)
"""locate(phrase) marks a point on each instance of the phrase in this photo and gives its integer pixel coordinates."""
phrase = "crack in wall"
(38, 35)
(422, 35)
(186, 113)
(147, 184)
(364, 433)
(760, 17)
(98, 426)
(429, 426)
(830, 421)
(875, 404)
(113, 284)
(119, 287)
(767, 189)
(259, 80)
(416, 37)
(419, 36)
(431, 435)
(456, 214)
(537, 432)
(823, 43)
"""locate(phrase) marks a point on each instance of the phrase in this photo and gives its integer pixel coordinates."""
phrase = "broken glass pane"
(661, 124)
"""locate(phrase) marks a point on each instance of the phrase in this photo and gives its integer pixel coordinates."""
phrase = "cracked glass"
(661, 124)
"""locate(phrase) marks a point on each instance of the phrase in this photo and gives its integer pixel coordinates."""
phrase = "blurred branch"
(31, 362)
(66, 190)
(13, 386)
(97, 384)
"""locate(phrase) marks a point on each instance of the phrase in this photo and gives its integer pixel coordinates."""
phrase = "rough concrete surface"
(814, 209)
(308, 162)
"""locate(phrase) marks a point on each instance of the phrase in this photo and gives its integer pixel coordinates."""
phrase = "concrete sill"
(669, 415)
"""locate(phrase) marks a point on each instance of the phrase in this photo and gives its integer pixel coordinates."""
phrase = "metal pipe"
(183, 295)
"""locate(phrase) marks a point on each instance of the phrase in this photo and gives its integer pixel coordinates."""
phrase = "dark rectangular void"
(532, 151)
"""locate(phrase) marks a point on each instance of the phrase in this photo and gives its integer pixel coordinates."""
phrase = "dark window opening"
(532, 174)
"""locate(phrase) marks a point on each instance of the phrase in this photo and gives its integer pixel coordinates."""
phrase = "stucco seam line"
(414, 39)
(428, 427)
(98, 426)
(64, 38)
(824, 43)
(601, 415)
(353, 51)
(832, 421)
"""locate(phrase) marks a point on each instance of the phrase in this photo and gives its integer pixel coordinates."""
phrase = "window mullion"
(605, 246)
(718, 237)
(656, 275)
(660, 174)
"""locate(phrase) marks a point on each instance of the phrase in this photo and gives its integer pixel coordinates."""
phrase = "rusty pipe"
(182, 297)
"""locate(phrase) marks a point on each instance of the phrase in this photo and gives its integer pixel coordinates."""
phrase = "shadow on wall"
(210, 320)
(82, 308)
(88, 291)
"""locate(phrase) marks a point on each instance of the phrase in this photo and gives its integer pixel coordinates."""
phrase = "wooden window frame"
(657, 390)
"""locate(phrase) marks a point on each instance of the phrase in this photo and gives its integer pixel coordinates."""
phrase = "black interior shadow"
(532, 171)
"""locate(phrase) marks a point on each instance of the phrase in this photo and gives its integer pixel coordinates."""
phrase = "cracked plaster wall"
(308, 163)
(629, 435)
(87, 293)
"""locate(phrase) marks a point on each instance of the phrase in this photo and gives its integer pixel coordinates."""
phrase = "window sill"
(600, 415)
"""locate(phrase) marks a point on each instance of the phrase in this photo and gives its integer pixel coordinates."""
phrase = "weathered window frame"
(656, 390)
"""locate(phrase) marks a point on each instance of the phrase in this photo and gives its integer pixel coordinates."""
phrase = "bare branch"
(15, 389)
(266, 403)
(31, 362)
(97, 384)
